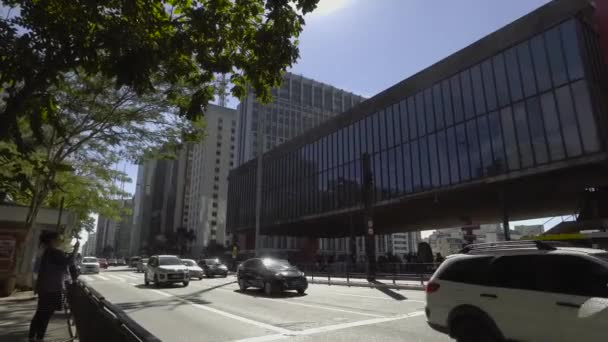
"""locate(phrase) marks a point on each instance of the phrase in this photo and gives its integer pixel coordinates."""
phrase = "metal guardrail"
(98, 320)
(394, 272)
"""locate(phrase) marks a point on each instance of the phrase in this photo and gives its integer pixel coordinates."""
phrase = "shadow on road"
(382, 288)
(260, 293)
(136, 306)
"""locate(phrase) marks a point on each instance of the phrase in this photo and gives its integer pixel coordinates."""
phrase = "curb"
(358, 284)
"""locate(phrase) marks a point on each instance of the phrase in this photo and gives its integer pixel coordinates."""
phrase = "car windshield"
(212, 262)
(189, 262)
(86, 260)
(277, 264)
(171, 260)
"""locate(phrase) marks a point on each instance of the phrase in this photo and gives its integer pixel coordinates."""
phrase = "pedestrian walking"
(52, 272)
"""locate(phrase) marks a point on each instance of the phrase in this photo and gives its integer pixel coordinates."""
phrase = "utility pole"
(368, 197)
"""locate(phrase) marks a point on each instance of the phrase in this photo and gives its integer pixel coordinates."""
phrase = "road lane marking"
(233, 316)
(115, 277)
(329, 328)
(162, 293)
(129, 276)
(383, 298)
(100, 277)
(86, 278)
(324, 307)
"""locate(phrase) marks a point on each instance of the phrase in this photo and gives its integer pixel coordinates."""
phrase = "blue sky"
(366, 46)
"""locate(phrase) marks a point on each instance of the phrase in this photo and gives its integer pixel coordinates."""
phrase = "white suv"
(521, 291)
(166, 269)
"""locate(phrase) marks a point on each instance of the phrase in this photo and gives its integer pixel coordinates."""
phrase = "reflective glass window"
(377, 172)
(447, 102)
(523, 135)
(358, 139)
(444, 162)
(385, 166)
(512, 67)
(411, 113)
(463, 155)
(502, 83)
(376, 132)
(556, 57)
(488, 84)
(438, 106)
(399, 170)
(571, 49)
(405, 134)
(331, 151)
(568, 120)
(485, 144)
(537, 130)
(393, 185)
(586, 119)
(424, 163)
(527, 70)
(434, 161)
(467, 94)
(392, 125)
(474, 153)
(416, 166)
(541, 66)
(480, 104)
(453, 155)
(510, 139)
(369, 129)
(456, 99)
(428, 110)
(340, 146)
(420, 116)
(407, 168)
(389, 136)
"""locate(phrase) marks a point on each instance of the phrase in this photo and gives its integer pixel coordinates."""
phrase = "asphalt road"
(215, 310)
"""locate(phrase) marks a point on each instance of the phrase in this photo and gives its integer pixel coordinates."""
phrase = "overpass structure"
(513, 126)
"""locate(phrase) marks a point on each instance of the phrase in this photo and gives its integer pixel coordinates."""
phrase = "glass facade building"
(529, 105)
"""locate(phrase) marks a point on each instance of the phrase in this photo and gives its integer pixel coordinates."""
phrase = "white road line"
(133, 284)
(383, 298)
(101, 277)
(115, 277)
(162, 293)
(334, 327)
(130, 276)
(238, 318)
(14, 322)
(325, 308)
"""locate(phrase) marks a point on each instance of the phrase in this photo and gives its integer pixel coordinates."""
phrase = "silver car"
(194, 270)
(166, 269)
(89, 265)
(141, 265)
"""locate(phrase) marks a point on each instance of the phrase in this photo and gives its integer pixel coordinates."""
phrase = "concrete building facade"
(206, 194)
(88, 248)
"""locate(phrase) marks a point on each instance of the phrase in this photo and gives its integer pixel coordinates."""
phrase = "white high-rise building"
(207, 192)
(88, 249)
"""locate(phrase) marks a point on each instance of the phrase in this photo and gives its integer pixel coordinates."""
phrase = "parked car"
(133, 261)
(112, 262)
(166, 269)
(194, 270)
(103, 263)
(121, 262)
(142, 264)
(521, 291)
(272, 275)
(213, 267)
(89, 265)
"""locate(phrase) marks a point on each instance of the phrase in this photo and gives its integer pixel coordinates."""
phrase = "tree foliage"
(135, 44)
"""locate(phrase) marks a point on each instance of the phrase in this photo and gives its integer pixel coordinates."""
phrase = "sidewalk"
(360, 282)
(17, 311)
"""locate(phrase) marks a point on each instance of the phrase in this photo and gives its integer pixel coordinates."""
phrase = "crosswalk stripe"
(100, 277)
(115, 277)
(86, 278)
(130, 276)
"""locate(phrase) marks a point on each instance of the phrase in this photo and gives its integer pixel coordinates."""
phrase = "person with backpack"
(52, 272)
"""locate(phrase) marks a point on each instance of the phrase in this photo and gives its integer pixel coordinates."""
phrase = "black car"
(272, 275)
(213, 267)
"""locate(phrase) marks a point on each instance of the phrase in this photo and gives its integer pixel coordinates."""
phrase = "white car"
(166, 269)
(194, 270)
(89, 265)
(521, 291)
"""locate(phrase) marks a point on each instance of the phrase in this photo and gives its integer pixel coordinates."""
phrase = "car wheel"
(200, 278)
(156, 283)
(186, 283)
(473, 329)
(208, 275)
(301, 291)
(268, 290)
(225, 275)
(146, 282)
(242, 285)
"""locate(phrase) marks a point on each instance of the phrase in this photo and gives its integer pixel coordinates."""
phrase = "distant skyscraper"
(88, 249)
(298, 105)
(205, 212)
